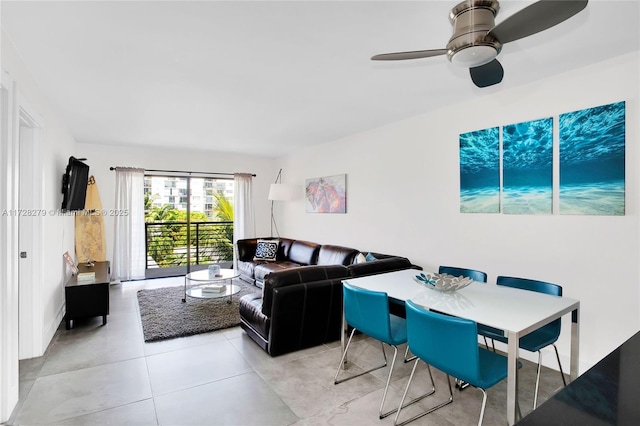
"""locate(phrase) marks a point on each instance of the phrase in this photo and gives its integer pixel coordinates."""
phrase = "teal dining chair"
(474, 274)
(368, 312)
(483, 330)
(542, 337)
(450, 344)
(481, 277)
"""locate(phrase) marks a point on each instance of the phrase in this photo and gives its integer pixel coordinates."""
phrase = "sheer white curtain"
(243, 219)
(128, 248)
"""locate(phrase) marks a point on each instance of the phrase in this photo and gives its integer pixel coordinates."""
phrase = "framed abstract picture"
(592, 161)
(480, 171)
(326, 194)
(527, 167)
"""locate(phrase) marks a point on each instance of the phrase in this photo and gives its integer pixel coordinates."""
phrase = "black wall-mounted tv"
(74, 185)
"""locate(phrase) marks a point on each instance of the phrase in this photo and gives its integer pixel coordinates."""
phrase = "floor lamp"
(277, 192)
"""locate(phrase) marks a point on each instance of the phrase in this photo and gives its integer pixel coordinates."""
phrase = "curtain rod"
(187, 172)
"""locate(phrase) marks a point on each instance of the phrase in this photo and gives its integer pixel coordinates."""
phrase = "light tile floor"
(108, 375)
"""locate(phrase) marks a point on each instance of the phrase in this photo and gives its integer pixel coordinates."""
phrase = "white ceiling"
(269, 77)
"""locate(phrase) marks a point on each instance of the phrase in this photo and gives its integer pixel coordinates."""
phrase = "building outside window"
(209, 227)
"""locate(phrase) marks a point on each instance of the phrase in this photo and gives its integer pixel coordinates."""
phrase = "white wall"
(57, 145)
(101, 157)
(403, 198)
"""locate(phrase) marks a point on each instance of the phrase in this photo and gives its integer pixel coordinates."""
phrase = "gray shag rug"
(164, 315)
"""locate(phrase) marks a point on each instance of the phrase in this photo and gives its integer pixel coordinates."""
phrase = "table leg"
(230, 291)
(184, 298)
(512, 377)
(575, 343)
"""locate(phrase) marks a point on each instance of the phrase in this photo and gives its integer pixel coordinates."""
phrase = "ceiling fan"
(476, 40)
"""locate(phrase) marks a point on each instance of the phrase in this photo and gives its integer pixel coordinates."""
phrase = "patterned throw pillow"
(267, 250)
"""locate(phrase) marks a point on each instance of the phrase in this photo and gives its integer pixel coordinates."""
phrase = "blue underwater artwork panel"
(480, 171)
(527, 167)
(592, 160)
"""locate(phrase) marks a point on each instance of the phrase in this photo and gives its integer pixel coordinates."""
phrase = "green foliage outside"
(211, 240)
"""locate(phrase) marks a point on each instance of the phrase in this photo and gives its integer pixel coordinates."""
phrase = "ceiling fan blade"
(537, 17)
(487, 74)
(416, 54)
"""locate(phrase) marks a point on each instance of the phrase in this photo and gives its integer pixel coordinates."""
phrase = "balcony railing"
(166, 243)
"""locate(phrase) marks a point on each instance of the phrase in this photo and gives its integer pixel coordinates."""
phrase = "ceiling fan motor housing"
(471, 45)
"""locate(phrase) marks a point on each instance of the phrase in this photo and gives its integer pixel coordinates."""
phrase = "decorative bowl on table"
(443, 282)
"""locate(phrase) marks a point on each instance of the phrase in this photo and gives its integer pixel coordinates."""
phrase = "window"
(176, 241)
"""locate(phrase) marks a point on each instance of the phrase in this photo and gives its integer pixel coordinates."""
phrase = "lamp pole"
(273, 220)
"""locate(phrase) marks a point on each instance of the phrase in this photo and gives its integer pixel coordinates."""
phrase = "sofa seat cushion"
(251, 312)
(263, 269)
(247, 268)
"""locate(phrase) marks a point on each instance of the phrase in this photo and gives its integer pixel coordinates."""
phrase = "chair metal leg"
(430, 410)
(486, 344)
(344, 355)
(413, 401)
(493, 344)
(564, 381)
(484, 403)
(386, 387)
(461, 384)
(535, 395)
(408, 358)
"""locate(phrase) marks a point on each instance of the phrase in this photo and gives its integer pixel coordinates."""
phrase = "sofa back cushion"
(304, 252)
(336, 255)
(380, 266)
(285, 248)
(303, 274)
(246, 249)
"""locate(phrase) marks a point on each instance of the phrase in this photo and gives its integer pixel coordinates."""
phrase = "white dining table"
(516, 312)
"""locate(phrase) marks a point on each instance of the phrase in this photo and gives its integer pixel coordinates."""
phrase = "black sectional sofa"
(301, 301)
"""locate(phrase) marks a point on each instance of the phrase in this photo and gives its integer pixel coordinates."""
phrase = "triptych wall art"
(480, 171)
(591, 172)
(592, 152)
(326, 194)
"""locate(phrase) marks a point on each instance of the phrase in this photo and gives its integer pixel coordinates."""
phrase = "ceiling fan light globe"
(474, 56)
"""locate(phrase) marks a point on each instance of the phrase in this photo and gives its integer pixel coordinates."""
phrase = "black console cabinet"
(88, 298)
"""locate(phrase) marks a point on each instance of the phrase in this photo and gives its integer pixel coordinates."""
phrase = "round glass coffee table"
(200, 284)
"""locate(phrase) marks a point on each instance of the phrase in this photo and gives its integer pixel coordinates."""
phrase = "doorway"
(30, 241)
(8, 246)
(19, 338)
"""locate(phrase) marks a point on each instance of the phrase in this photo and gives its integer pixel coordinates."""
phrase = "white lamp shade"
(279, 192)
